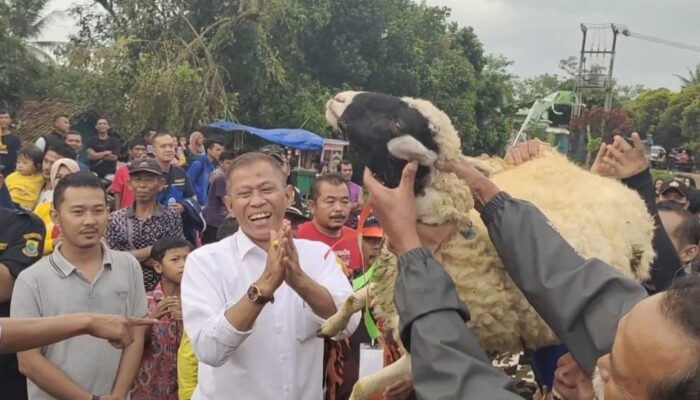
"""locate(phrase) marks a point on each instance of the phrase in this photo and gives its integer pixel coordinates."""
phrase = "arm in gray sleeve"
(582, 300)
(447, 361)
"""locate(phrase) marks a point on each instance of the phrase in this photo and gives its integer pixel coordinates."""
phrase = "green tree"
(671, 132)
(692, 78)
(21, 22)
(646, 111)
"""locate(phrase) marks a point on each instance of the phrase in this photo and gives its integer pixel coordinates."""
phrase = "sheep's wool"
(599, 217)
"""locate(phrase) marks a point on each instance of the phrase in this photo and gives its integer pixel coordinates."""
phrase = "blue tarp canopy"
(299, 139)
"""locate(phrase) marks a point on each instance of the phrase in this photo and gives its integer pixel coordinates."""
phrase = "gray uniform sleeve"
(582, 300)
(447, 361)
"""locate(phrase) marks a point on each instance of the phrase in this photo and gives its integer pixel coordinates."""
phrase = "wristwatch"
(256, 296)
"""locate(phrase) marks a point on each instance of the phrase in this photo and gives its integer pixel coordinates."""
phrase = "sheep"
(598, 216)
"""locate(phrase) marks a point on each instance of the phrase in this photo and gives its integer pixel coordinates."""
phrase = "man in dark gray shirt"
(604, 318)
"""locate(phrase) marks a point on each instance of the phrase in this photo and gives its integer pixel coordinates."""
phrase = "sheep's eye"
(397, 125)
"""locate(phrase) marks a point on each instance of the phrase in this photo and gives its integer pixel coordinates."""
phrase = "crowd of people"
(209, 274)
(79, 253)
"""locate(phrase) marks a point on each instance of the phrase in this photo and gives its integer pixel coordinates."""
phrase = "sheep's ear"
(408, 148)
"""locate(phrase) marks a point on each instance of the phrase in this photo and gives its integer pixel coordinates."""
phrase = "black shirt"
(104, 167)
(21, 245)
(8, 154)
(177, 186)
(52, 139)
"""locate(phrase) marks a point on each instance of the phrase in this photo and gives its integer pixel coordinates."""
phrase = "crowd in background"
(171, 196)
(69, 247)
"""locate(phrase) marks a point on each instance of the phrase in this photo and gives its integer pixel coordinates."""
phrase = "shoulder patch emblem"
(31, 248)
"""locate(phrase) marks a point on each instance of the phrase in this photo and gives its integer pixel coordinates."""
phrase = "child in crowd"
(157, 377)
(25, 183)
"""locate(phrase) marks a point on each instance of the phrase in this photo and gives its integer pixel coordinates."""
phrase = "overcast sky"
(536, 34)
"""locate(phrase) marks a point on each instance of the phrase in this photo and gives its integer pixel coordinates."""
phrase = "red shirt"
(121, 185)
(346, 247)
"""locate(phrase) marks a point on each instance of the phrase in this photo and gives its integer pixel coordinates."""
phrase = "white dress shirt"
(280, 357)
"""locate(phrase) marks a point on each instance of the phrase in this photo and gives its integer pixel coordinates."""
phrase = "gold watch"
(256, 296)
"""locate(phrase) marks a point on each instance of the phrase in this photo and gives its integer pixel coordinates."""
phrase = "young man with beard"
(61, 126)
(135, 229)
(252, 302)
(81, 275)
(103, 150)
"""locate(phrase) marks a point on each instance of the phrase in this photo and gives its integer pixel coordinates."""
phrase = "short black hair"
(33, 153)
(137, 142)
(227, 155)
(689, 229)
(331, 178)
(163, 245)
(209, 143)
(74, 133)
(160, 134)
(62, 150)
(77, 180)
(343, 162)
(679, 304)
(4, 111)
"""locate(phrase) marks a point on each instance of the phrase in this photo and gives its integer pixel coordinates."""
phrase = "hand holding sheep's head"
(387, 132)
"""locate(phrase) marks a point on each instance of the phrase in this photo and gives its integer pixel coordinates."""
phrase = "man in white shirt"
(252, 303)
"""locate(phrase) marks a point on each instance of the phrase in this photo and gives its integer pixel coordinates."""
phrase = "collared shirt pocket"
(121, 304)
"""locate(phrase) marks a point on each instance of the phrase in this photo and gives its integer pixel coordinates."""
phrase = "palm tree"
(692, 78)
(26, 20)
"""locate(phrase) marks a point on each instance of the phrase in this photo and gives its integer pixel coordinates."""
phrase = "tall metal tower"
(595, 68)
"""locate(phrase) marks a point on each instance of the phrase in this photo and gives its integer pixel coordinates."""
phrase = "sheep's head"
(388, 131)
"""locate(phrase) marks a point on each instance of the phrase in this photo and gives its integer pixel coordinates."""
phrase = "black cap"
(145, 165)
(674, 185)
(275, 151)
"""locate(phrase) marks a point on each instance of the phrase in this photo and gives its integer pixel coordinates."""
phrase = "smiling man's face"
(258, 198)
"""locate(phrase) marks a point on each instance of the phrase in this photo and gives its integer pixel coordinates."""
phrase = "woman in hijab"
(61, 168)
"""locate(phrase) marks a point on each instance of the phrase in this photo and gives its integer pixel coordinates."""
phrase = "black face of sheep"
(386, 132)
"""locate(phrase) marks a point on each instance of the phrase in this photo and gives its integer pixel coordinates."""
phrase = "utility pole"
(595, 73)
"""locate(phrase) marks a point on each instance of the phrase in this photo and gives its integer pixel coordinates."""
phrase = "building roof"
(36, 117)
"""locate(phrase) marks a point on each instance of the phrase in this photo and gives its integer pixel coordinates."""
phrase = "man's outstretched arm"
(19, 334)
